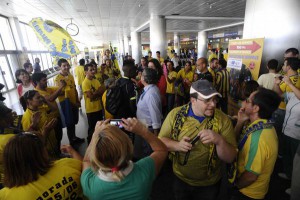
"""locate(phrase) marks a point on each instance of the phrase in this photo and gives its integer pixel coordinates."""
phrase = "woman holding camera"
(109, 173)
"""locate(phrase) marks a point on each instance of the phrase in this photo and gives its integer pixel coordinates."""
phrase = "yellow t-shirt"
(284, 88)
(98, 76)
(50, 140)
(62, 181)
(70, 89)
(91, 105)
(183, 75)
(195, 171)
(48, 92)
(79, 74)
(258, 156)
(107, 114)
(193, 68)
(170, 86)
(213, 74)
(161, 60)
(4, 138)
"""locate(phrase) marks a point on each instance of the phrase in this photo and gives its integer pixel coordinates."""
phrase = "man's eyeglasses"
(210, 100)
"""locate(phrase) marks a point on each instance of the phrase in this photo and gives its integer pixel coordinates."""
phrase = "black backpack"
(114, 98)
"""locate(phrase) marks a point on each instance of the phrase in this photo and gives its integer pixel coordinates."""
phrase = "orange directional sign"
(247, 52)
(244, 59)
(252, 47)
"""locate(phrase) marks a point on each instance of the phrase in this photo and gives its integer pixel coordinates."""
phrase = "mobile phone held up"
(116, 122)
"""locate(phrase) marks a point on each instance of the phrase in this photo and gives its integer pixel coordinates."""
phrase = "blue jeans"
(183, 191)
(170, 101)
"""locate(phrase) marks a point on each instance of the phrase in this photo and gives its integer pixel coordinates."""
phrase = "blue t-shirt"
(136, 185)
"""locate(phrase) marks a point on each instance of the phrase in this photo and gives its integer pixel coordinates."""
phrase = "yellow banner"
(244, 60)
(55, 38)
(247, 52)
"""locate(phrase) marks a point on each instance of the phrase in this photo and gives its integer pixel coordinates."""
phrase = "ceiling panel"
(113, 18)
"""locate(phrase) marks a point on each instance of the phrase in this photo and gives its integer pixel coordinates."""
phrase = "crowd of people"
(157, 111)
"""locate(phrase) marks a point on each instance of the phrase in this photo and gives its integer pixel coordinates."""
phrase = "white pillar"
(176, 43)
(121, 50)
(158, 39)
(202, 44)
(281, 30)
(126, 45)
(136, 46)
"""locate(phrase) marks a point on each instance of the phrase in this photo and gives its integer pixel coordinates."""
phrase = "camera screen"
(116, 123)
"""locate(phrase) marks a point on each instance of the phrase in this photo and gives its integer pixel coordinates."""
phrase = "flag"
(55, 38)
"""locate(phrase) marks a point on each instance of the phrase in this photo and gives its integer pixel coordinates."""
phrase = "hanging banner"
(55, 38)
(244, 60)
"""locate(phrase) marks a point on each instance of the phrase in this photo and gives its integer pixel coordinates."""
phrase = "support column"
(126, 45)
(177, 43)
(20, 44)
(136, 46)
(121, 44)
(281, 30)
(202, 44)
(158, 39)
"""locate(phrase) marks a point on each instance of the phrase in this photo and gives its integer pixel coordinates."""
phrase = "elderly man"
(197, 164)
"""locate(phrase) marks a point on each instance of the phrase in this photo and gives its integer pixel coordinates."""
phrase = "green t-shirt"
(136, 185)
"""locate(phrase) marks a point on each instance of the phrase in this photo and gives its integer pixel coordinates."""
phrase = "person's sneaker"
(288, 191)
(284, 176)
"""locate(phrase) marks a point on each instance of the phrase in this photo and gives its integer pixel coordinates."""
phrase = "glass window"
(6, 72)
(14, 64)
(44, 63)
(6, 35)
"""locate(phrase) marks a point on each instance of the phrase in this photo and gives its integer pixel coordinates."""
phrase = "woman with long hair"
(29, 173)
(35, 119)
(109, 173)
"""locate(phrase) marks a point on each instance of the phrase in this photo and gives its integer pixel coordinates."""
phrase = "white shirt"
(267, 80)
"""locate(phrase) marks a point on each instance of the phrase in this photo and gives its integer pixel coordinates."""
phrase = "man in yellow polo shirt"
(92, 92)
(68, 100)
(197, 164)
(213, 68)
(258, 147)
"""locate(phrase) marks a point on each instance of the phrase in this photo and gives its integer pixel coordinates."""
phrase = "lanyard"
(255, 127)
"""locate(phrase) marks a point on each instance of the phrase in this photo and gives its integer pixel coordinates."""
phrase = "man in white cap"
(197, 164)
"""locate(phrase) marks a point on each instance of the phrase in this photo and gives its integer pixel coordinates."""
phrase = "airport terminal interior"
(150, 99)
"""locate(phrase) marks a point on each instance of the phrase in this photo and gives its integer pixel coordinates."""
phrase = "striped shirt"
(222, 82)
